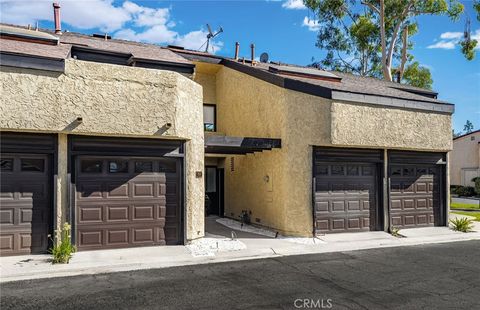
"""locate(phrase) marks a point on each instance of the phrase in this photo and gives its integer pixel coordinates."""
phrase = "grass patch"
(476, 215)
(459, 205)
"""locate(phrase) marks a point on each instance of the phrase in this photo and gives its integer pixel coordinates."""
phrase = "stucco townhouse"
(124, 140)
(465, 159)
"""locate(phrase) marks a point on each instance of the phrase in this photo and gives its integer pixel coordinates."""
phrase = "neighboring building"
(465, 159)
(123, 139)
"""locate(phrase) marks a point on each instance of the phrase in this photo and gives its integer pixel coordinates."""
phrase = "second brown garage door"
(127, 201)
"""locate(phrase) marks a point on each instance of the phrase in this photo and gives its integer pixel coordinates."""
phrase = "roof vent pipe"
(56, 18)
(252, 47)
(237, 48)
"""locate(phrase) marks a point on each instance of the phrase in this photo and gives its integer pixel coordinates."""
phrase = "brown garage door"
(414, 195)
(345, 197)
(25, 203)
(126, 202)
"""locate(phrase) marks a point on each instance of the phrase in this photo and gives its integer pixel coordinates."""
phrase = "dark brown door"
(345, 197)
(414, 195)
(126, 202)
(25, 203)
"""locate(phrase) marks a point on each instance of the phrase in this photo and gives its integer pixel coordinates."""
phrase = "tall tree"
(372, 38)
(468, 128)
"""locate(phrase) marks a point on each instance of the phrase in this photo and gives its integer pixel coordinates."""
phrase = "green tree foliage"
(468, 127)
(371, 38)
(418, 76)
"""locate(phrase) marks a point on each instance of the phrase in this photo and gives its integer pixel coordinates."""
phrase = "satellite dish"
(264, 57)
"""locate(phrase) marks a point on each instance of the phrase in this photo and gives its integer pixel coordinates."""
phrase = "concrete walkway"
(256, 246)
(475, 201)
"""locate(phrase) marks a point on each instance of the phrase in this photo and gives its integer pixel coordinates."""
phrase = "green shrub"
(465, 191)
(453, 189)
(477, 185)
(462, 224)
(62, 248)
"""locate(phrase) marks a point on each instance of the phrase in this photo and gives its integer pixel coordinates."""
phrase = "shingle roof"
(69, 39)
(138, 50)
(363, 85)
(350, 83)
(35, 49)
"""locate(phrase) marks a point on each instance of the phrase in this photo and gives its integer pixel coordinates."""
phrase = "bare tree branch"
(404, 54)
(371, 6)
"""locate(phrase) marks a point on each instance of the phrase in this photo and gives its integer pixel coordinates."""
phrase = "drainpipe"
(56, 18)
(237, 48)
(252, 47)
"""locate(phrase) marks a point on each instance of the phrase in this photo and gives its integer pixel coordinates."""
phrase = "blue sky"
(283, 29)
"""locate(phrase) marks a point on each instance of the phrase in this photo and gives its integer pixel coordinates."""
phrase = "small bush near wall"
(62, 248)
(453, 189)
(465, 191)
(477, 185)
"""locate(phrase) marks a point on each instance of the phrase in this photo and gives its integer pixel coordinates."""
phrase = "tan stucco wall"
(465, 154)
(112, 100)
(369, 126)
(249, 107)
(208, 82)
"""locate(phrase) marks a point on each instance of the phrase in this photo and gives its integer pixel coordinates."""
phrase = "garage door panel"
(144, 190)
(89, 214)
(118, 237)
(117, 213)
(143, 212)
(138, 204)
(117, 190)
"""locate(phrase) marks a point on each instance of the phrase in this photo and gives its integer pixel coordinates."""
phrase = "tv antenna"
(210, 36)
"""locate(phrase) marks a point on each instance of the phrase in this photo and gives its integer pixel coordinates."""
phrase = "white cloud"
(451, 35)
(90, 14)
(446, 45)
(126, 20)
(449, 40)
(311, 24)
(294, 5)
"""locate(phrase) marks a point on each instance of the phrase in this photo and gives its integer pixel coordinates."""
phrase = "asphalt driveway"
(438, 276)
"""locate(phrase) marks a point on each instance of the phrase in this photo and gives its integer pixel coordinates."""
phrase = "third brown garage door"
(127, 201)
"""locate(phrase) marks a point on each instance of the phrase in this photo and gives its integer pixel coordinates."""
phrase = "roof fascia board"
(394, 102)
(32, 62)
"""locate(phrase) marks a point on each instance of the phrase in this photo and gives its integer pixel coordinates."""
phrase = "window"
(118, 166)
(209, 119)
(91, 166)
(6, 164)
(167, 165)
(32, 164)
(408, 171)
(322, 170)
(143, 166)
(367, 170)
(352, 170)
(396, 171)
(337, 170)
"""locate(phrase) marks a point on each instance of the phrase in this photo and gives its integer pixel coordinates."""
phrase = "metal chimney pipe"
(237, 48)
(56, 18)
(252, 47)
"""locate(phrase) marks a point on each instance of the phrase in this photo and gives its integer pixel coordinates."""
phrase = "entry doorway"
(214, 191)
